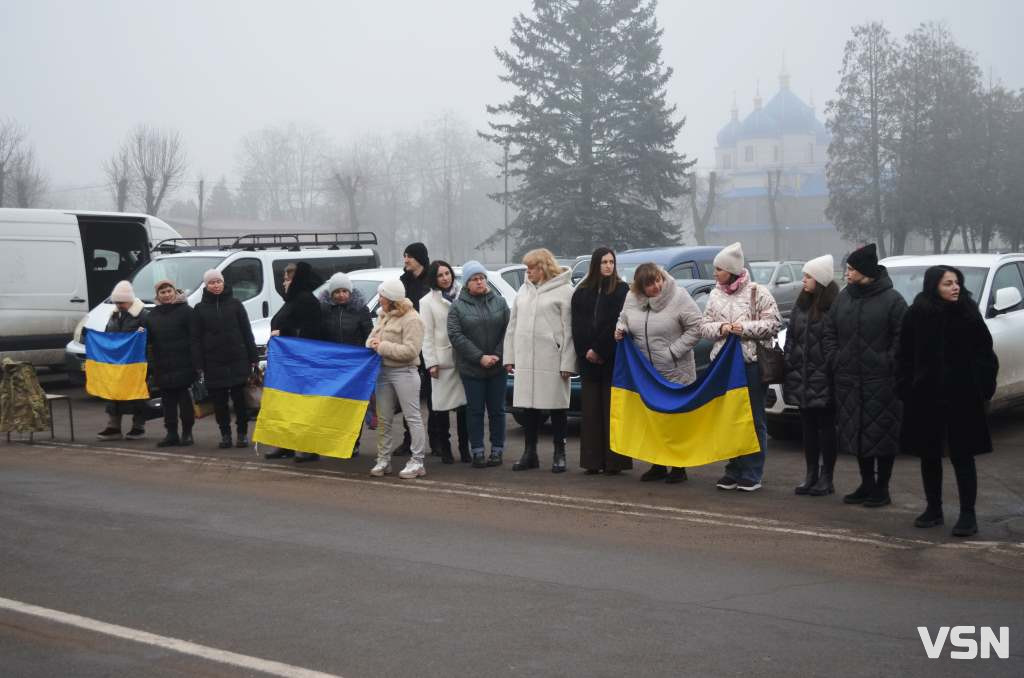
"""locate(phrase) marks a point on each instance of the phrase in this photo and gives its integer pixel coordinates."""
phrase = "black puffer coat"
(862, 333)
(300, 315)
(476, 327)
(947, 373)
(345, 323)
(593, 327)
(808, 382)
(222, 343)
(416, 287)
(170, 344)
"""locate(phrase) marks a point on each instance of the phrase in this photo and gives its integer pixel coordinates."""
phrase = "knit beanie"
(162, 283)
(471, 268)
(730, 259)
(392, 290)
(865, 261)
(212, 275)
(339, 281)
(123, 292)
(418, 251)
(820, 269)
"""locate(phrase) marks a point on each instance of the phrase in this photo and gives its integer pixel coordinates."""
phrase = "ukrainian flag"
(664, 423)
(315, 395)
(115, 365)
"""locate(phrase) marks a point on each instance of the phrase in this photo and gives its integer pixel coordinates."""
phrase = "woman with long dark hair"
(808, 381)
(596, 305)
(946, 376)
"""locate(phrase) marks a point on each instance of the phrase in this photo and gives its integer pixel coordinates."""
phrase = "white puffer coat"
(760, 323)
(446, 391)
(539, 343)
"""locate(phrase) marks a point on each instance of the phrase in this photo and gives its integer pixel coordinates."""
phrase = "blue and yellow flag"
(664, 423)
(315, 395)
(115, 365)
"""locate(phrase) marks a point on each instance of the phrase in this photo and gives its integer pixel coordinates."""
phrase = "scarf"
(736, 284)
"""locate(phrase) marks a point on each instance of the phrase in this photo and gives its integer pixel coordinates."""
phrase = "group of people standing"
(871, 377)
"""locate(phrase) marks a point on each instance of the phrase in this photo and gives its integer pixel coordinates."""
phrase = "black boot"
(279, 453)
(243, 440)
(225, 439)
(558, 459)
(446, 452)
(823, 486)
(186, 437)
(879, 497)
(528, 460)
(170, 440)
(966, 524)
(656, 472)
(867, 482)
(464, 455)
(302, 457)
(932, 517)
(810, 479)
(676, 474)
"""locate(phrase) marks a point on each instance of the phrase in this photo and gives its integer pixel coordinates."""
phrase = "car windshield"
(368, 288)
(762, 273)
(909, 280)
(185, 272)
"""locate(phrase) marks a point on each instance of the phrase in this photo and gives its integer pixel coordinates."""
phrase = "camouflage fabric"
(22, 401)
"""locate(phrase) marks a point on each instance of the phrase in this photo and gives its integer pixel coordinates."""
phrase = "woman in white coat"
(446, 390)
(539, 351)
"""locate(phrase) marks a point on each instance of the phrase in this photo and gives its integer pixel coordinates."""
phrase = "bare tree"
(118, 171)
(29, 182)
(287, 168)
(158, 163)
(701, 217)
(12, 137)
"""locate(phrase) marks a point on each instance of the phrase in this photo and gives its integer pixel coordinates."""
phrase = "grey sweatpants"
(399, 387)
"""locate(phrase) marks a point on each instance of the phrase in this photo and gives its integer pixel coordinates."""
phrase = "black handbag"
(771, 359)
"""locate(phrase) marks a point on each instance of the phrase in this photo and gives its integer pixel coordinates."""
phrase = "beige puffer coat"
(664, 329)
(401, 335)
(761, 323)
(538, 342)
(446, 392)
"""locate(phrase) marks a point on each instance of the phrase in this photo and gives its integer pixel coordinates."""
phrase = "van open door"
(113, 247)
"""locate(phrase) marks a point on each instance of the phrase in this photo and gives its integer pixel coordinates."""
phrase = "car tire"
(781, 430)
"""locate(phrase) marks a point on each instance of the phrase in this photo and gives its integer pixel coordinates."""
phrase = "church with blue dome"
(779, 143)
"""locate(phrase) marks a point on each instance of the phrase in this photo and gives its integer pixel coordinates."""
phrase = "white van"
(57, 264)
(253, 265)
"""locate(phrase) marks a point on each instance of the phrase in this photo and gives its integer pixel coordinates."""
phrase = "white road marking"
(710, 518)
(177, 645)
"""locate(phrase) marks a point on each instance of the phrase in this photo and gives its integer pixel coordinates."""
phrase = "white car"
(995, 280)
(367, 281)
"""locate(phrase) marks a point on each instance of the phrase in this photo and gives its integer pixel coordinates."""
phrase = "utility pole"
(505, 201)
(199, 222)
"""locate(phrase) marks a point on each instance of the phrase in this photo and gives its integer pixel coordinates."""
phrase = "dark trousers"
(485, 395)
(596, 401)
(819, 426)
(177, 400)
(559, 426)
(439, 428)
(221, 411)
(966, 480)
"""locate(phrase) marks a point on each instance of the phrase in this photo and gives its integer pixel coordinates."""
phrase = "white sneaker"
(382, 468)
(413, 469)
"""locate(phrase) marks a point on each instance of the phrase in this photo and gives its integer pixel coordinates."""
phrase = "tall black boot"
(810, 477)
(171, 439)
(880, 497)
(243, 440)
(528, 460)
(446, 452)
(867, 482)
(558, 459)
(186, 437)
(823, 486)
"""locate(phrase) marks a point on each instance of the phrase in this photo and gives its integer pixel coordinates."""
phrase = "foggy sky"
(79, 75)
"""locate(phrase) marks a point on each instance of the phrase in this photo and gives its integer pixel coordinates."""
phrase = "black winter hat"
(418, 251)
(865, 260)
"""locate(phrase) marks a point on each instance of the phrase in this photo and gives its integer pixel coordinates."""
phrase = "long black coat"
(222, 343)
(593, 327)
(862, 333)
(345, 323)
(170, 345)
(808, 382)
(300, 315)
(415, 287)
(947, 373)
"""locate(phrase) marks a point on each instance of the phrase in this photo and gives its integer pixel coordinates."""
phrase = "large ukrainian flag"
(315, 395)
(115, 365)
(664, 423)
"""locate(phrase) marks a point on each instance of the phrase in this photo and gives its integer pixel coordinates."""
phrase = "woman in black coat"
(224, 352)
(947, 374)
(169, 327)
(596, 305)
(808, 382)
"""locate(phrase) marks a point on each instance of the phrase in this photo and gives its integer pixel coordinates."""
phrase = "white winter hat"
(339, 281)
(123, 292)
(212, 275)
(821, 269)
(392, 290)
(730, 259)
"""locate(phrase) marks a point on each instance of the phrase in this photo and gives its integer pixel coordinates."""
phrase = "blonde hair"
(545, 259)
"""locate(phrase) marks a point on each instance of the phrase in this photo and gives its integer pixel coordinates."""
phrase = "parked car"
(367, 281)
(513, 274)
(784, 279)
(57, 264)
(995, 280)
(698, 289)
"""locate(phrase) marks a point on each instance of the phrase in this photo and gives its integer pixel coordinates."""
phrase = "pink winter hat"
(123, 292)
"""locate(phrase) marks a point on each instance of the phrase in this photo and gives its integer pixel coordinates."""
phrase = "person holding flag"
(129, 315)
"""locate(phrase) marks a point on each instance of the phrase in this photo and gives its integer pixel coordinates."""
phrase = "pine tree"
(220, 204)
(590, 134)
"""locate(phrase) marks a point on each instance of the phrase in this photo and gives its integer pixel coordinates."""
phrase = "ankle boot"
(528, 460)
(656, 472)
(243, 440)
(676, 474)
(446, 452)
(879, 497)
(810, 479)
(225, 439)
(558, 459)
(170, 440)
(186, 437)
(823, 486)
(966, 524)
(932, 517)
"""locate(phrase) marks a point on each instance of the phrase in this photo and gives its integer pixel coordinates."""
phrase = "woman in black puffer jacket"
(808, 381)
(169, 324)
(224, 352)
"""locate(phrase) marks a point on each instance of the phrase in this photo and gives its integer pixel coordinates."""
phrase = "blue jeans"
(486, 393)
(751, 466)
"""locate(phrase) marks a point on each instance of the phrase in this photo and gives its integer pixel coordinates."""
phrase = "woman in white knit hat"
(808, 381)
(740, 307)
(129, 315)
(398, 339)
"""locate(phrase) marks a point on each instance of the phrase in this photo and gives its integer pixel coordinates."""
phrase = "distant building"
(781, 143)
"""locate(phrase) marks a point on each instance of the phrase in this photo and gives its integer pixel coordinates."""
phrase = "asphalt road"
(481, 572)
